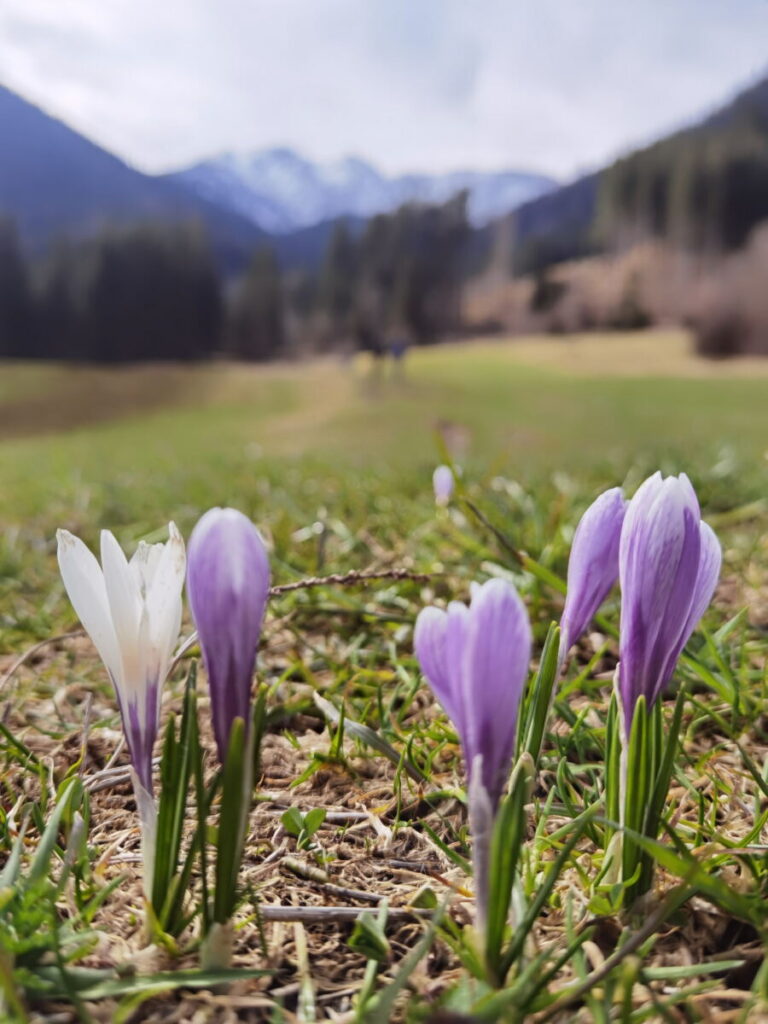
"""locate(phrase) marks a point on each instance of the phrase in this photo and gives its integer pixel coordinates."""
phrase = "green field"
(333, 462)
(158, 441)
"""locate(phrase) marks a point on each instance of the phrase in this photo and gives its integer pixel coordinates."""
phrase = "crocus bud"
(593, 567)
(443, 483)
(476, 660)
(228, 586)
(669, 563)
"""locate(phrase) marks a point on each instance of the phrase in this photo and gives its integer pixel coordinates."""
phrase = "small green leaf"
(425, 899)
(293, 821)
(368, 938)
(313, 820)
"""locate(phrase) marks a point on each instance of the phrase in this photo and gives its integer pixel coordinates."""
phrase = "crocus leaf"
(12, 866)
(506, 844)
(234, 800)
(516, 945)
(538, 700)
(41, 863)
(380, 1008)
(176, 771)
(686, 867)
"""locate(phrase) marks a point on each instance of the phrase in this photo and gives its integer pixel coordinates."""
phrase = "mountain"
(54, 181)
(749, 107)
(703, 185)
(282, 191)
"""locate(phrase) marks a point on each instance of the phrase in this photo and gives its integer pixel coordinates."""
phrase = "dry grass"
(648, 353)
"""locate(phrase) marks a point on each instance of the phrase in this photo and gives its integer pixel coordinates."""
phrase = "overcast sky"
(550, 85)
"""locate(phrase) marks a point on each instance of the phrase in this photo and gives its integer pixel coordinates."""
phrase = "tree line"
(153, 292)
(701, 191)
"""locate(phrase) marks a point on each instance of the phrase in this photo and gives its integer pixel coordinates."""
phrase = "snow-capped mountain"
(282, 191)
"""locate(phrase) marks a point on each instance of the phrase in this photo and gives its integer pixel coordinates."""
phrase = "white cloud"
(411, 84)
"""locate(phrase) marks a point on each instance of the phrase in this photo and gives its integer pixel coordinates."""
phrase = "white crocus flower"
(132, 612)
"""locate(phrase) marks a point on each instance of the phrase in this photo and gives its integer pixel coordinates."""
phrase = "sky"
(556, 86)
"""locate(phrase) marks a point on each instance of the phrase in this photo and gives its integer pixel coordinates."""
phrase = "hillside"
(703, 187)
(54, 181)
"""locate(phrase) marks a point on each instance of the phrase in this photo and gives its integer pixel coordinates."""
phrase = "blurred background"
(376, 236)
(267, 180)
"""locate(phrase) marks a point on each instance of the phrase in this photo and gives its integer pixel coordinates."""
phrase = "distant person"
(399, 344)
(369, 340)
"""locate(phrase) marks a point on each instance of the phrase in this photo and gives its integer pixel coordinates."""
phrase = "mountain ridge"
(284, 191)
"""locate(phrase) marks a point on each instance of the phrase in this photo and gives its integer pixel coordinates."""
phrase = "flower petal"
(228, 585)
(163, 600)
(126, 606)
(659, 561)
(84, 583)
(443, 484)
(144, 562)
(593, 567)
(497, 655)
(429, 640)
(457, 621)
(710, 563)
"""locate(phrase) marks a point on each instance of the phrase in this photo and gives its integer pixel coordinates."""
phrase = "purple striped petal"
(668, 568)
(476, 660)
(228, 584)
(455, 638)
(429, 642)
(710, 561)
(593, 567)
(710, 564)
(140, 722)
(497, 654)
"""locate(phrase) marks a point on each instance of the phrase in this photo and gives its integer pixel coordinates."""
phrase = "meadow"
(333, 462)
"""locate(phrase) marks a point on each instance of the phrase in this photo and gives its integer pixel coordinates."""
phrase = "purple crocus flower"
(593, 567)
(228, 586)
(476, 660)
(443, 483)
(669, 563)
